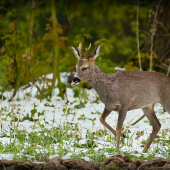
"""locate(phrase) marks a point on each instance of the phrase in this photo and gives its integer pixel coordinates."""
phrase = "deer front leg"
(121, 118)
(102, 120)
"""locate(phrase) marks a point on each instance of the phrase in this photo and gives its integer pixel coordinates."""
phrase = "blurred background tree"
(36, 37)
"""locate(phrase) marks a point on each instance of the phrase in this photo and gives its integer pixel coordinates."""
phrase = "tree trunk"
(56, 73)
(17, 78)
(31, 27)
(16, 81)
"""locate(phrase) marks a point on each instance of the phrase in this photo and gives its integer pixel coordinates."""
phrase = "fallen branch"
(138, 120)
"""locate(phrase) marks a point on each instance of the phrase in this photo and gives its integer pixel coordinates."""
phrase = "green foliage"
(48, 105)
(4, 62)
(28, 38)
(96, 100)
(81, 93)
(33, 111)
(76, 91)
(79, 106)
(145, 61)
(130, 66)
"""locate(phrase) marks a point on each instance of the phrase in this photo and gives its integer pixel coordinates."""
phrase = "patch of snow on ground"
(26, 105)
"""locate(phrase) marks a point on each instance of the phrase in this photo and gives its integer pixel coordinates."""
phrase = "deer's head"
(85, 63)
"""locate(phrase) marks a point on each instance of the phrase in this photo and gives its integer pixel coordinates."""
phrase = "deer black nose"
(76, 80)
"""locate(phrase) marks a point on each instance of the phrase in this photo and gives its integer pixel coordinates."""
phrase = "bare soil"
(114, 162)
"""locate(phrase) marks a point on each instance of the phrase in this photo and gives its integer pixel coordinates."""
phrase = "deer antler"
(79, 49)
(87, 50)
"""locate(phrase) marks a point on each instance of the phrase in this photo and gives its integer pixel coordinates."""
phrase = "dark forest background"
(36, 37)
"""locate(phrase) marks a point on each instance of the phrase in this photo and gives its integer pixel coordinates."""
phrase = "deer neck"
(99, 81)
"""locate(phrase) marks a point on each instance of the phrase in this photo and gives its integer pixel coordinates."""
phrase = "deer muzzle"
(75, 80)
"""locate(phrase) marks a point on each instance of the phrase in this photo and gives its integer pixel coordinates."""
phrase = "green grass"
(65, 139)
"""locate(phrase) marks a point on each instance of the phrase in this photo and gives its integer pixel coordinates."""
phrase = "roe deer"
(124, 91)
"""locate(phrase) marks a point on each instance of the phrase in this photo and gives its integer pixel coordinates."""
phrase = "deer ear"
(76, 52)
(95, 53)
(97, 50)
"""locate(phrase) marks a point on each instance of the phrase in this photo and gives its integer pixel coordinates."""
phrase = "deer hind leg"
(166, 104)
(150, 114)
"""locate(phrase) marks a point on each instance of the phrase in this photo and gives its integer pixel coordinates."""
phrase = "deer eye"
(83, 69)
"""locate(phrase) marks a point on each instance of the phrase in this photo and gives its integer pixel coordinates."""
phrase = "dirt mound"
(114, 162)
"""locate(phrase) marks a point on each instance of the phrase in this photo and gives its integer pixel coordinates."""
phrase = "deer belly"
(138, 102)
